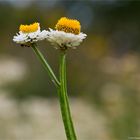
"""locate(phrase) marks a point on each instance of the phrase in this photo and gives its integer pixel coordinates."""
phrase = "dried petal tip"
(68, 25)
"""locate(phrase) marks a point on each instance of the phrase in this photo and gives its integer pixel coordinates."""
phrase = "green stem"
(46, 66)
(62, 90)
(64, 103)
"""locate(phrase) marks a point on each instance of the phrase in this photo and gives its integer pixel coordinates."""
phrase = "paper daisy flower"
(29, 34)
(67, 34)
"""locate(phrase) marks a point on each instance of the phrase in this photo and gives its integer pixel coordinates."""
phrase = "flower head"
(29, 34)
(67, 34)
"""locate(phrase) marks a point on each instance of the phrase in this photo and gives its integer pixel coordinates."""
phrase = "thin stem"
(64, 103)
(46, 66)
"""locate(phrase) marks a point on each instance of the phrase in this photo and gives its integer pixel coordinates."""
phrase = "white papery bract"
(62, 39)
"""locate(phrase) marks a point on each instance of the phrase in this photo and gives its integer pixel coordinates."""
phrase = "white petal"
(61, 38)
(42, 35)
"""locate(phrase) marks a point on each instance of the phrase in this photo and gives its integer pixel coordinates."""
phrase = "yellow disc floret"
(68, 25)
(29, 28)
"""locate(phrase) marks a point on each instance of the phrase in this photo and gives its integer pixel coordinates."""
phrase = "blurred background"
(103, 73)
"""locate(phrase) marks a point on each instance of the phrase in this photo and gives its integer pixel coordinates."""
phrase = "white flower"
(62, 39)
(67, 34)
(29, 34)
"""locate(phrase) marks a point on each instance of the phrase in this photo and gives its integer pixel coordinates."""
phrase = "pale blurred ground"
(39, 118)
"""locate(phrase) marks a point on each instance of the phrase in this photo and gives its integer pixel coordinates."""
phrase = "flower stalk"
(62, 91)
(64, 103)
(46, 65)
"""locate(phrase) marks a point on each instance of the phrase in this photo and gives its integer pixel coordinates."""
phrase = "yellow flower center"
(29, 28)
(68, 25)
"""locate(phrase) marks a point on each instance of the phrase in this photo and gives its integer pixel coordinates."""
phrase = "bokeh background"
(103, 73)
